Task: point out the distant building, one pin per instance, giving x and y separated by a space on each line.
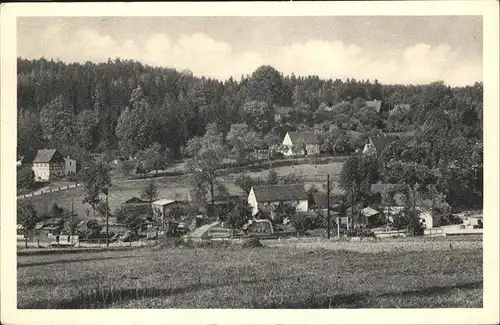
162 208
375 104
272 195
69 166
47 164
400 108
293 141
428 219
376 144
281 112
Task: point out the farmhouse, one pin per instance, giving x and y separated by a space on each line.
301 143
376 144
272 195
47 164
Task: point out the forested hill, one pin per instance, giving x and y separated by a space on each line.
121 107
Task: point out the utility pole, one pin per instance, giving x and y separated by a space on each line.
105 190
328 202
71 226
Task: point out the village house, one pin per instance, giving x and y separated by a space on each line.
375 104
47 164
162 208
376 144
272 195
301 144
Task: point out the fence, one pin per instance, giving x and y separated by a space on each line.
50 190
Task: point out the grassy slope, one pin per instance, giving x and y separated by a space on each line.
168 187
351 275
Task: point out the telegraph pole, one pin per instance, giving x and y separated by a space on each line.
105 190
71 226
328 202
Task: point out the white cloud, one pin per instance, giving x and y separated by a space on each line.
420 63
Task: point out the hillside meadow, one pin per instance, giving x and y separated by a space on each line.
413 273
172 186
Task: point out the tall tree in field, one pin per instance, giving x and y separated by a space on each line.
149 191
259 116
207 160
242 141
96 180
58 121
416 177
357 173
153 158
27 217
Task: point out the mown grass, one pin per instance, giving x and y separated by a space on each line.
330 276
169 187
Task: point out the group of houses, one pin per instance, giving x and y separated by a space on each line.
48 164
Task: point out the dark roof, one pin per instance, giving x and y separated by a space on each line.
306 137
135 200
319 200
376 104
273 193
383 141
41 156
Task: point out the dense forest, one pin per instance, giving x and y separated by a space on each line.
120 108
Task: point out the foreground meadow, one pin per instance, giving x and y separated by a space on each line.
391 274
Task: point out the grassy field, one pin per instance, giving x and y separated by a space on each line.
170 187
416 273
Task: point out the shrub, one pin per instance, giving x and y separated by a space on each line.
25 178
302 222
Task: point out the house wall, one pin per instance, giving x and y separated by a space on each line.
429 220
287 143
47 171
303 205
312 149
252 201
69 166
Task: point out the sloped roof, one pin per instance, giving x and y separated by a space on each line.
320 200
376 104
135 199
163 202
40 156
382 141
369 212
384 187
273 193
306 137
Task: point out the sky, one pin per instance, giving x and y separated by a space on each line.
392 49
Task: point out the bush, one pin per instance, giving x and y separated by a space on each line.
302 222
25 178
360 232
